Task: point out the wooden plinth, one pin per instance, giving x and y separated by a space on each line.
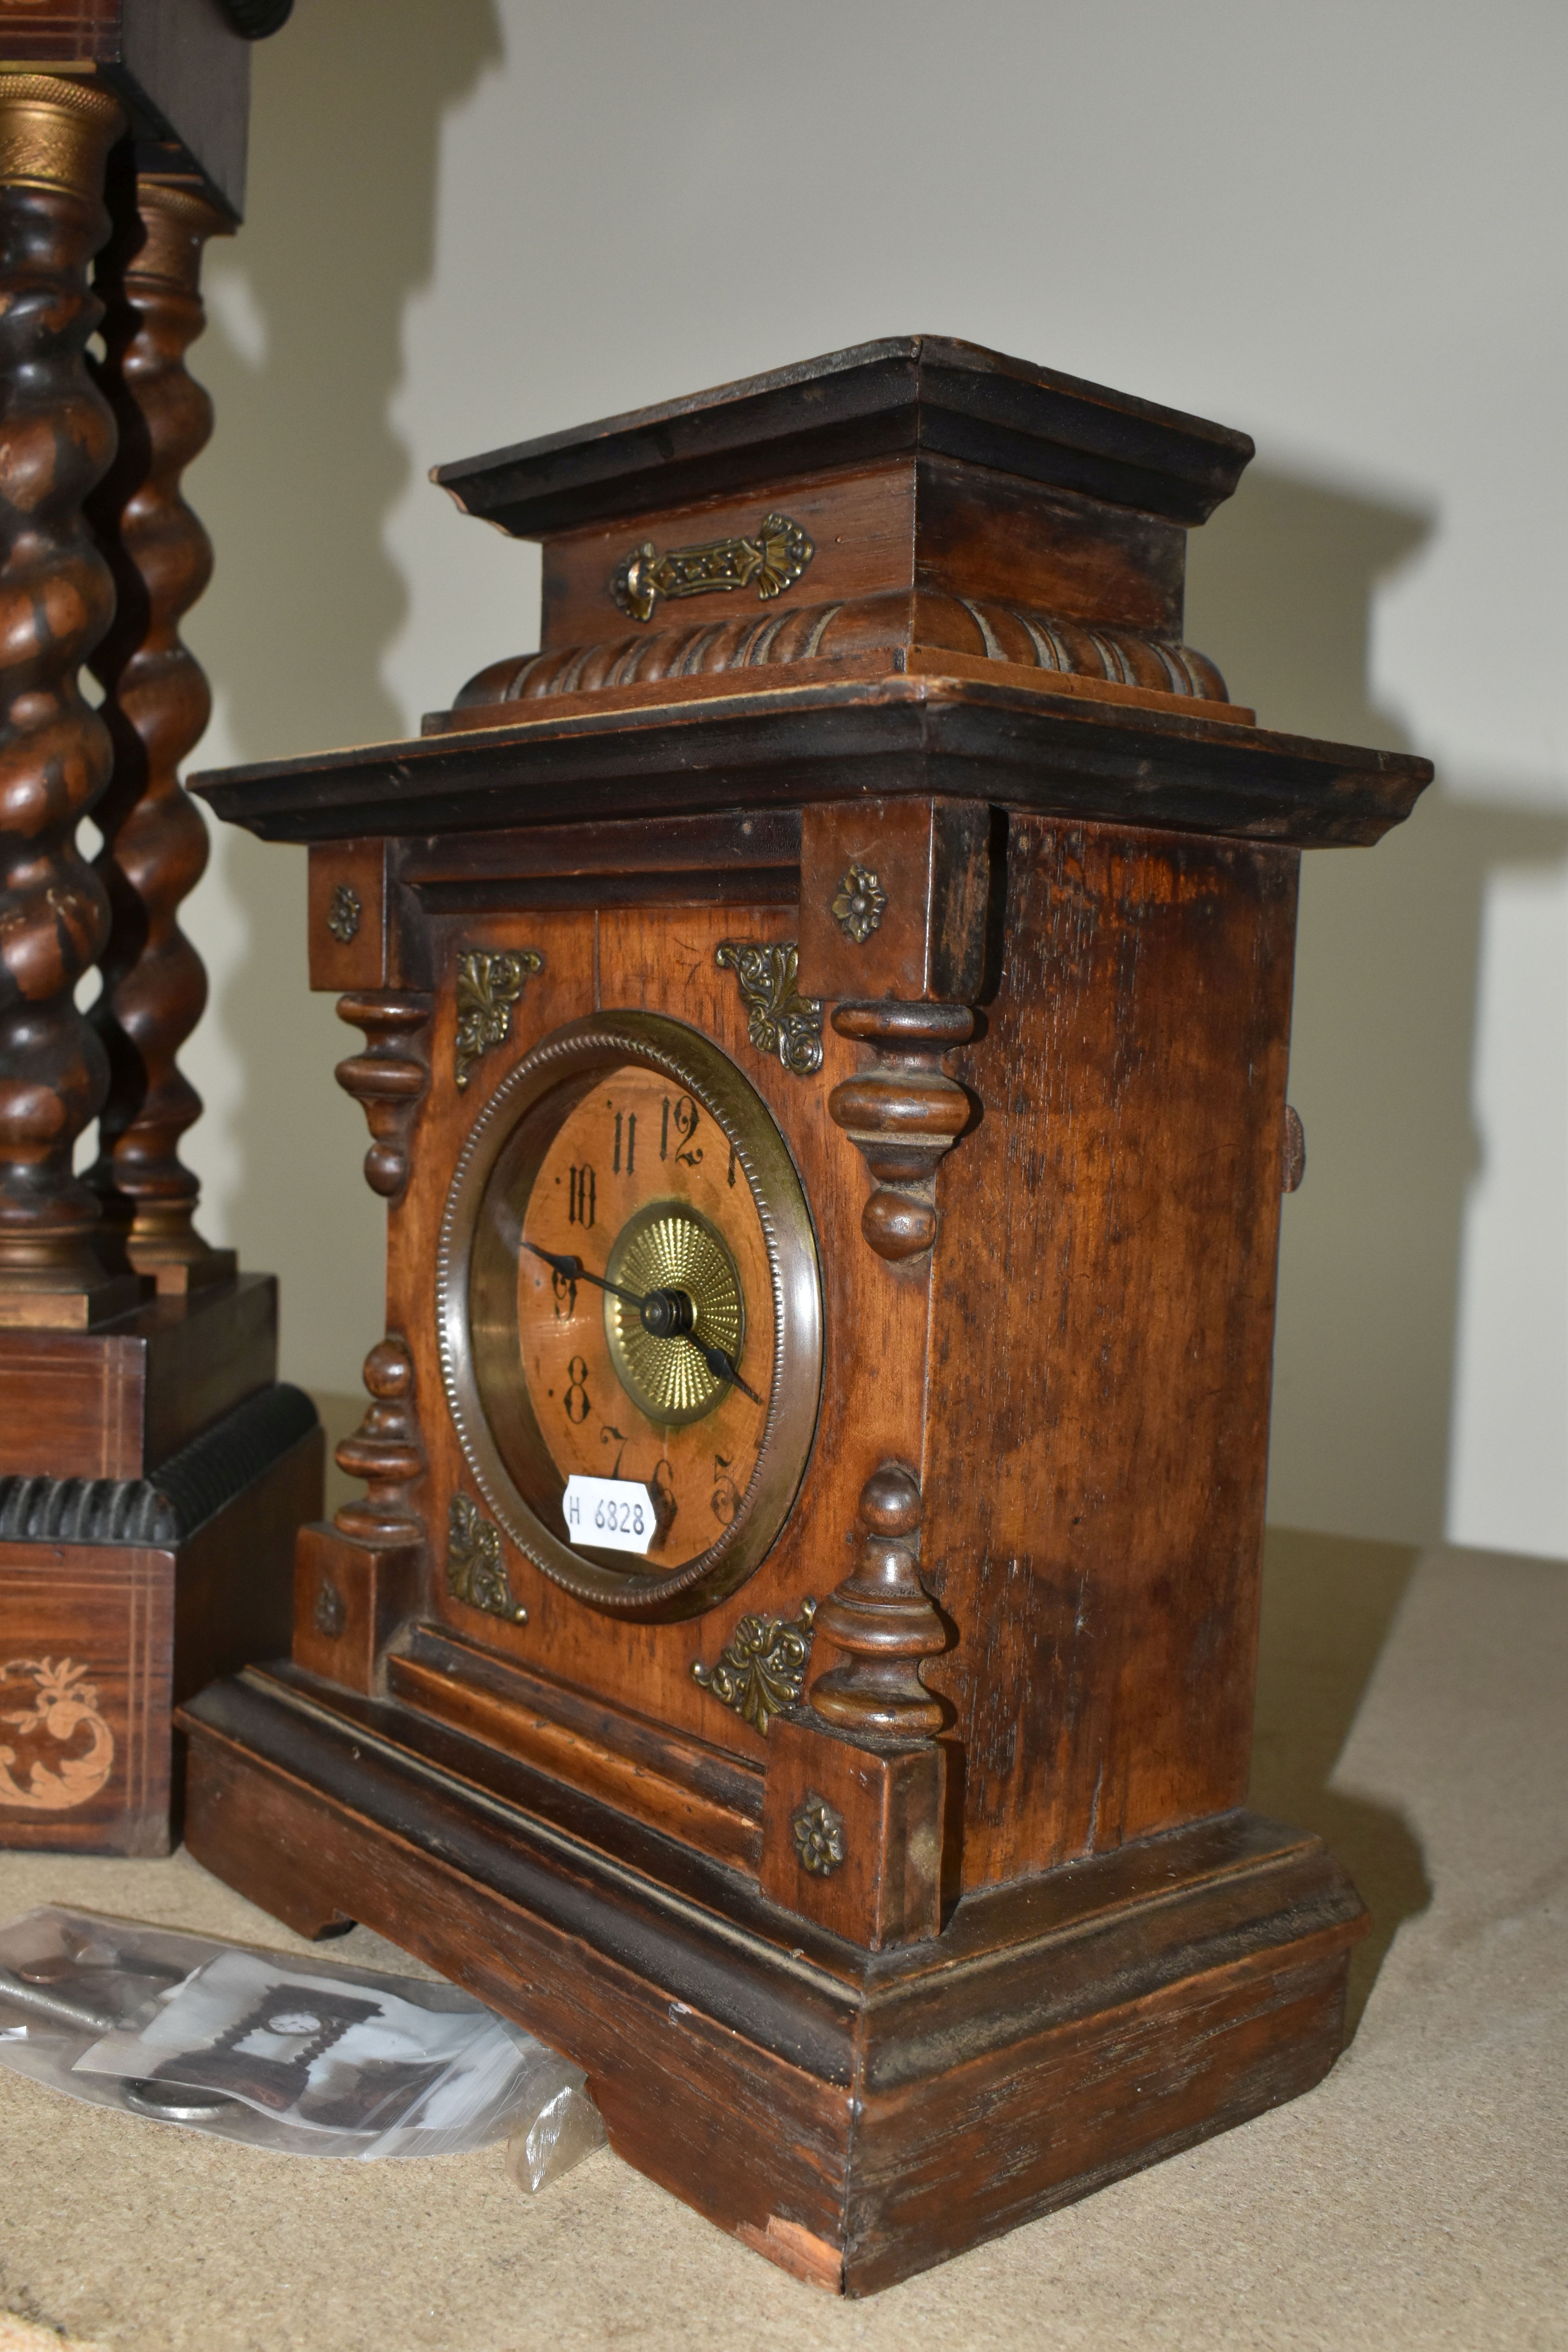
102 1637
116 1401
854 2116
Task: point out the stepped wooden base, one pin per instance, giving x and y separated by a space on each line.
854 2116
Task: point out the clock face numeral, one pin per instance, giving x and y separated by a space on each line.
610 1396
677 1126
725 1501
581 1196
631 1132
683 1121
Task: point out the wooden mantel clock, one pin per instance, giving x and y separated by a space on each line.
825 1024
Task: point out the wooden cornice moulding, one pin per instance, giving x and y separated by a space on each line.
917 632
909 393
1090 761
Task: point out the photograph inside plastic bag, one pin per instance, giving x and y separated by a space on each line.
308 2056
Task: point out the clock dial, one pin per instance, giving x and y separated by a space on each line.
639 1189
628 1290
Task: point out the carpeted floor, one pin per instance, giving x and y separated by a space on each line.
1412 1708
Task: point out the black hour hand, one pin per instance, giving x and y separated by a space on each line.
721 1366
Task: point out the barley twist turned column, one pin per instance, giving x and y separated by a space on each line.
156 706
56 599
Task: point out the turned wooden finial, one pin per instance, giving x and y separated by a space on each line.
385 1451
882 1622
390 1079
902 1115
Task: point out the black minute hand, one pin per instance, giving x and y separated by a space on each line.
719 1363
572 1269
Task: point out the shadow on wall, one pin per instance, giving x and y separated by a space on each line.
305 468
1281 585
1328 1603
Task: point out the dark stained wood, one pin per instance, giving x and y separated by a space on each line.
156 705
100 1641
101 1618
852 1833
967 738
900 1893
880 1622
923 394
903 1113
181 67
873 645
117 1401
861 524
854 2116
390 1079
346 915
679 1786
1107 1322
55 756
919 565
951 530
350 1596
931 863
989 535
153 1473
234 1595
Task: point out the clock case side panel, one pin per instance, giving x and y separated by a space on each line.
1103 1308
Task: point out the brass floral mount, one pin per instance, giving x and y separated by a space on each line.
474 1570
762 1667
861 904
818 1833
344 914
773 559
489 985
778 1018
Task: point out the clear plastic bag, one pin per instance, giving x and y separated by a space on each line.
308 2056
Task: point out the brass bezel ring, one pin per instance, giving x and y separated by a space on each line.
478 1351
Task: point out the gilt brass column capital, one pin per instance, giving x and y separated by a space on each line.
55 131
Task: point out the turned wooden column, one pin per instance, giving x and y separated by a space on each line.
156 705
57 597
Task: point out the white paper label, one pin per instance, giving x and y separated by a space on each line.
609 1513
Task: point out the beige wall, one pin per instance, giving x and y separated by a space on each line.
474 220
